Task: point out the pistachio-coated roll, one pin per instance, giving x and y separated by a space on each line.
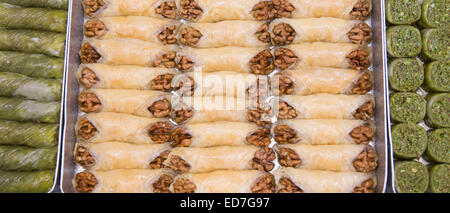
409 140
407 107
439 178
437 76
26 182
25 110
18 85
435 13
439 145
56 4
411 177
438 110
28 134
402 11
31 41
405 74
436 43
33 65
403 41
32 18
21 158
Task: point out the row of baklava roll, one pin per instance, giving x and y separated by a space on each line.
257 60
229 33
220 10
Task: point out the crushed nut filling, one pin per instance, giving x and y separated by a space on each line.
182 114
178 164
89 102
365 187
286 111
185 63
83 156
362 134
285 58
167 35
360 34
190 10
181 138
263 33
190 36
262 160
260 137
167 9
288 158
162 82
283 34
284 134
287 186
366 161
93 28
263 11
364 112
166 60
285 85
157 163
88 78
85 182
262 63
89 54
361 10
187 89
358 59
265 184
160 108
160 132
162 184
183 185
92 6
87 129
283 8
261 114
363 85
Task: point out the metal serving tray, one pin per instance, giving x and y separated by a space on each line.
56 179
75 37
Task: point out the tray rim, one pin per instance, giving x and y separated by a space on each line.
382 67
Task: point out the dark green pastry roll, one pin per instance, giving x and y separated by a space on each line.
438 110
437 76
17 85
28 134
22 158
32 18
409 140
405 74
403 41
439 178
33 65
403 11
436 43
411 177
33 41
407 107
439 145
26 182
56 4
25 110
435 13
